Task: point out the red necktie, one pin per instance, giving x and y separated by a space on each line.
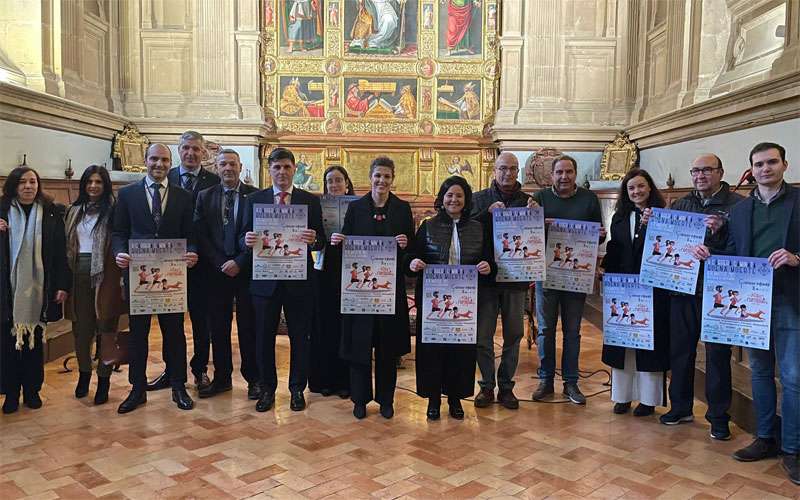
282 195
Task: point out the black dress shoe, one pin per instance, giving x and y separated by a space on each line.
298 401
32 400
82 388
201 381
759 449
643 410
434 411
254 391
791 464
622 408
182 398
387 411
214 388
265 401
134 399
326 392
456 410
343 393
101 394
160 382
360 411
11 404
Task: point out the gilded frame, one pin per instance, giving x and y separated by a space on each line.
619 156
130 147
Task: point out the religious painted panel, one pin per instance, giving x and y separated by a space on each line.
458 99
368 98
380 27
301 27
460 28
357 163
464 164
302 97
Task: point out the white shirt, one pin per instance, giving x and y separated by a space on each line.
276 191
85 227
454 258
148 181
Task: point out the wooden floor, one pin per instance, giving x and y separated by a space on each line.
223 448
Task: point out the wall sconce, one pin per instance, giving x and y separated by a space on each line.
68 172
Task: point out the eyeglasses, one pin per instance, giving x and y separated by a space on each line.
505 170
705 171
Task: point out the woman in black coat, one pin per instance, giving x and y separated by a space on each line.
447 368
33 244
378 213
637 374
329 373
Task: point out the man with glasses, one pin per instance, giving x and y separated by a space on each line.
506 298
712 196
564 200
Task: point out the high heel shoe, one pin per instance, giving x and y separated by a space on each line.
433 409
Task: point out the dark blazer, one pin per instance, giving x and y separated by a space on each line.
208 225
786 280
625 256
205 180
134 220
393 331
54 259
265 288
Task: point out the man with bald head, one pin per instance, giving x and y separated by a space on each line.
506 298
154 209
711 196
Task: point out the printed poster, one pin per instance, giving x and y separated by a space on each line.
334 209
667 261
157 274
449 306
571 255
737 301
519 244
369 267
279 253
627 312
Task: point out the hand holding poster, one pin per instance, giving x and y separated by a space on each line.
571 255
450 304
157 276
334 209
737 301
279 253
369 279
519 244
667 261
627 312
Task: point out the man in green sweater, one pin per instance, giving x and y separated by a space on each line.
565 200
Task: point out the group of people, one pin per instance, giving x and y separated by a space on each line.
78 259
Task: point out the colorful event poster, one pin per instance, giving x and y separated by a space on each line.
627 312
519 244
667 261
157 274
334 209
571 255
279 253
449 306
369 266
737 301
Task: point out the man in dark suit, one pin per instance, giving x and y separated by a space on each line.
218 218
293 296
192 177
154 209
767 225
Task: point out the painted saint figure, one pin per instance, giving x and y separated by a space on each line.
303 24
459 18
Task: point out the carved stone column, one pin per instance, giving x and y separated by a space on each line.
790 59
511 44
130 60
247 57
21 37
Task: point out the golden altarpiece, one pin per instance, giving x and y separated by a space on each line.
346 80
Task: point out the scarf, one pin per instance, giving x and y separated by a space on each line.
27 271
99 240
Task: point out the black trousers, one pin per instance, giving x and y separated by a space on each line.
385 377
22 369
226 290
685 324
445 369
174 348
299 314
198 293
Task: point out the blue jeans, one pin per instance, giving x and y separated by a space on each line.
785 348
547 307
